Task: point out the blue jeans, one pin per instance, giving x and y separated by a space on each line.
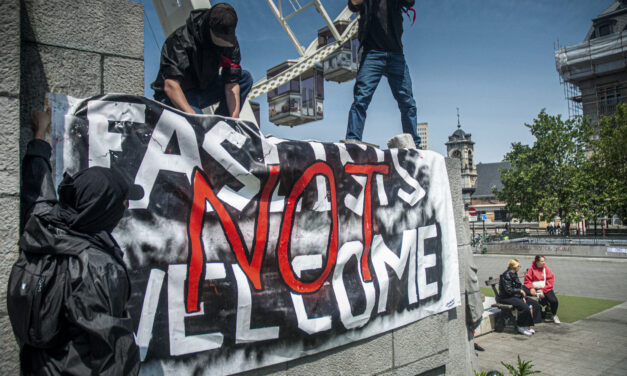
202 98
375 64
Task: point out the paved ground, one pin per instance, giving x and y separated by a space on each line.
575 276
593 346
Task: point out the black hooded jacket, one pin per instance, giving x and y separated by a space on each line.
69 288
191 58
381 24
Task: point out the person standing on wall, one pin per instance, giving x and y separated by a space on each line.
380 32
69 289
189 76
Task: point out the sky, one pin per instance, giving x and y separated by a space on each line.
492 59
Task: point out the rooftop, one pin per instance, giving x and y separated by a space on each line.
489 178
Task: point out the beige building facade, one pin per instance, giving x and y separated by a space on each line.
423 132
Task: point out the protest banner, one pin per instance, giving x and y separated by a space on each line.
246 251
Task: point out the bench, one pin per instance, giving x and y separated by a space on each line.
508 315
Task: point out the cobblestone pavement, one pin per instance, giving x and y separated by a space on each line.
576 276
593 346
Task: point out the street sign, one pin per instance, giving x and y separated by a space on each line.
472 218
484 217
472 212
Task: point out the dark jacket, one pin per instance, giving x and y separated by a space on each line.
68 290
381 24
190 57
509 285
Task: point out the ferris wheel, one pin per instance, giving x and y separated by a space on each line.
295 88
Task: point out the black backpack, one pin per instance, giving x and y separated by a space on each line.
35 299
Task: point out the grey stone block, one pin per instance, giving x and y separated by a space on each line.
123 76
10 46
106 26
9 234
453 169
9 145
420 339
59 70
460 346
430 363
10 179
9 353
366 357
9 216
55 70
9 222
403 140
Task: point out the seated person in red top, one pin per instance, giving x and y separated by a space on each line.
539 282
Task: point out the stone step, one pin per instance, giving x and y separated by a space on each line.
489 317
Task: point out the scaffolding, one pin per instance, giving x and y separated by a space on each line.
588 61
573 96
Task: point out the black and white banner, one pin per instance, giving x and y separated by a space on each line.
246 251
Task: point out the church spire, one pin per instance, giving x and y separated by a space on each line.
459 125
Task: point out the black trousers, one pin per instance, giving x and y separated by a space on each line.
549 299
525 317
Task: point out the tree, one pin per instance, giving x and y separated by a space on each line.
545 179
606 168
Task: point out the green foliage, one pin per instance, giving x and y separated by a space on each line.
547 178
606 169
489 373
523 369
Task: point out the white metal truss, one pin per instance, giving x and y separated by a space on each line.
313 54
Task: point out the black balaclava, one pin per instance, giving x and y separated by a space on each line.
93 200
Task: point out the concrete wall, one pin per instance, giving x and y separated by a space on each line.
556 249
81 48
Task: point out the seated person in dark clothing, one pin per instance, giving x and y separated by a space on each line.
511 292
539 282
189 77
69 288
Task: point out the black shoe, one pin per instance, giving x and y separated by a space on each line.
479 348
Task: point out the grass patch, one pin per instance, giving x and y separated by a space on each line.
573 308
487 291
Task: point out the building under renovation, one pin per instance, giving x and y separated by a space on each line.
594 73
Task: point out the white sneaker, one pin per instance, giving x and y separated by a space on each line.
532 331
524 331
556 320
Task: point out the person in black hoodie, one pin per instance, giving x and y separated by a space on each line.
511 292
69 288
191 57
380 32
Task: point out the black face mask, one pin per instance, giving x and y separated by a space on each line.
93 200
